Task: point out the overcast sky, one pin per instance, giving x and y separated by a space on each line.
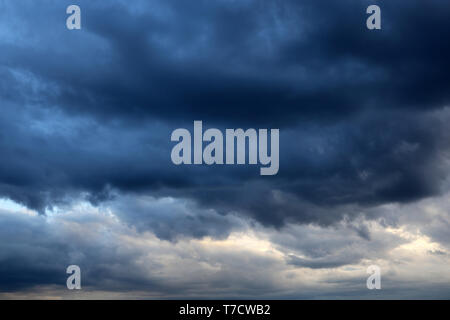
86 176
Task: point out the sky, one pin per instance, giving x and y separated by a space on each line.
86 176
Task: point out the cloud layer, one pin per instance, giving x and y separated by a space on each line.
86 118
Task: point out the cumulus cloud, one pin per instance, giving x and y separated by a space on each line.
123 260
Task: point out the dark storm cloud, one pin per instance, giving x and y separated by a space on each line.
118 262
324 263
90 111
171 219
37 252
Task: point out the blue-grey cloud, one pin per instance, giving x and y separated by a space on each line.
87 115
